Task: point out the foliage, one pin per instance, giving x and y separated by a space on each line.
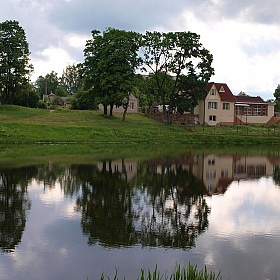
71 79
83 100
190 272
15 68
110 62
28 98
181 67
277 99
47 84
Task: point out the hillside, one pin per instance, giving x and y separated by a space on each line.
26 125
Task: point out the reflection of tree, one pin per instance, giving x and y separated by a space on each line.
13 205
106 206
158 208
276 174
62 174
178 211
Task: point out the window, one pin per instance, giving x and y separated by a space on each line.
225 106
212 118
257 110
211 161
213 92
224 173
212 105
211 174
131 105
248 111
222 89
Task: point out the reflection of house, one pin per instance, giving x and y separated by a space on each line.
133 105
220 106
128 170
217 172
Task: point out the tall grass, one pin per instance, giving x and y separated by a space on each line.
190 272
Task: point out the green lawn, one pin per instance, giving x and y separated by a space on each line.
25 125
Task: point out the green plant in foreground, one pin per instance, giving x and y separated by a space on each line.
190 272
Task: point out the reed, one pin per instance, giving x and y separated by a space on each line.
189 272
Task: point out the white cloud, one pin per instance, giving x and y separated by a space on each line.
52 58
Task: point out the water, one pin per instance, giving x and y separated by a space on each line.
76 221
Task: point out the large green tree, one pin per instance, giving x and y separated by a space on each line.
15 67
111 60
180 65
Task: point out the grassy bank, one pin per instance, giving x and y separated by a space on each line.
25 125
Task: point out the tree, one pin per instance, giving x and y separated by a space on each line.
71 78
242 93
277 99
15 68
110 63
181 67
47 84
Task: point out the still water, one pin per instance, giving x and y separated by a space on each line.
75 221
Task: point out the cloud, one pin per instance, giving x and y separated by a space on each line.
243 36
129 15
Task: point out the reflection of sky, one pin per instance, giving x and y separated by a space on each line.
243 237
242 240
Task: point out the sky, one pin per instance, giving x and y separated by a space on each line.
242 35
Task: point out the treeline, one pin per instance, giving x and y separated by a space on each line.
165 68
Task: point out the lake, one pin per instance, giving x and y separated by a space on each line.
77 220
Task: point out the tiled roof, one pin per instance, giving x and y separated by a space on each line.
249 99
223 90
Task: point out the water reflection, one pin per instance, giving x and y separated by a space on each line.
13 205
156 203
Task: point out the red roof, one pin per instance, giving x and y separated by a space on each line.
249 99
226 95
223 90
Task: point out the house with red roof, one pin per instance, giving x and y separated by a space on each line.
219 106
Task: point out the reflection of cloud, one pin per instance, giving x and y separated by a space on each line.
248 207
52 196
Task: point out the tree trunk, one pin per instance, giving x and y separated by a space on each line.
111 109
105 109
125 106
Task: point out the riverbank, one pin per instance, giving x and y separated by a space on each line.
26 125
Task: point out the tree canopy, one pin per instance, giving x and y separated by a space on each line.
180 67
110 63
15 68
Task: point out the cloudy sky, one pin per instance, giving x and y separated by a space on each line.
243 36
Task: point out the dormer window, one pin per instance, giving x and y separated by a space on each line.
213 92
222 89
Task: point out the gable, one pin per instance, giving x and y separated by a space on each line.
223 90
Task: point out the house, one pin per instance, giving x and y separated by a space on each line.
57 100
220 106
133 105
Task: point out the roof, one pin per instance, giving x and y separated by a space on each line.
226 95
223 90
249 99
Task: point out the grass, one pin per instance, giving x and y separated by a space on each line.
191 272
26 125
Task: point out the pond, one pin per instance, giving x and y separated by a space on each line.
73 220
